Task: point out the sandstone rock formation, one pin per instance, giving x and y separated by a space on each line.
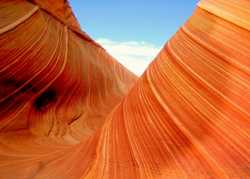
69 110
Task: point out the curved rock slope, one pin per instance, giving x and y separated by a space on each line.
68 110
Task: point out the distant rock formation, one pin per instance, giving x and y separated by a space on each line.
69 110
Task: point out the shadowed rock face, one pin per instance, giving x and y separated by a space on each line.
69 110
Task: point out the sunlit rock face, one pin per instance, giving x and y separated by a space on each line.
69 110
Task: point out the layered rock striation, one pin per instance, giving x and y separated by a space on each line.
70 110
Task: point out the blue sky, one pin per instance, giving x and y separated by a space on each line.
133 31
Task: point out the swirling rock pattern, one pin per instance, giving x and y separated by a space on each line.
69 110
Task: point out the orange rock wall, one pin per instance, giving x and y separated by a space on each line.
69 110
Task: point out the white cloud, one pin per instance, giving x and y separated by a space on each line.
134 55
